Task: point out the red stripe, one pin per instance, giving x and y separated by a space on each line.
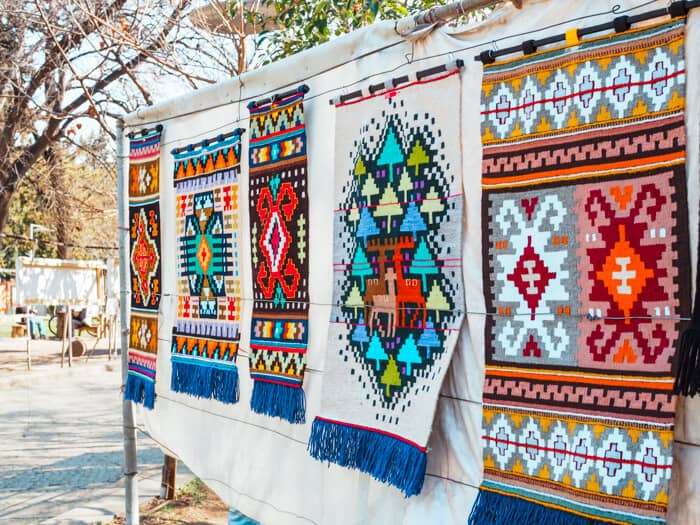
276 133
398 88
586 92
278 349
576 454
374 430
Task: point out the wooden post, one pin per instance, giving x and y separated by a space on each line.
131 496
63 341
69 325
29 336
167 483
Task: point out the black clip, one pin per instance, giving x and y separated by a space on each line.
622 24
486 57
677 9
529 47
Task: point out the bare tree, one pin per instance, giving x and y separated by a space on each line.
62 61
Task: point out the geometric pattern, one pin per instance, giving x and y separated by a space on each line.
584 208
397 305
144 263
207 327
279 221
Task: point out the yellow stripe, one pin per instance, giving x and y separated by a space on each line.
576 129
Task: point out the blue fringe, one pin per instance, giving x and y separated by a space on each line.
205 380
140 390
273 399
384 458
492 508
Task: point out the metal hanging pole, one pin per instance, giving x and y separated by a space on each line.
443 14
131 499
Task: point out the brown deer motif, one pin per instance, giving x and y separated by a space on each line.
384 304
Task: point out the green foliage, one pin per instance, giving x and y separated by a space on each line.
306 23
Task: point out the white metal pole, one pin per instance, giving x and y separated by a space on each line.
131 500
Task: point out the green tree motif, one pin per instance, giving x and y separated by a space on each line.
391 376
388 206
432 204
354 299
417 158
437 301
405 183
423 263
391 152
369 190
408 354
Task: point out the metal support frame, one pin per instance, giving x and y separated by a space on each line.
131 499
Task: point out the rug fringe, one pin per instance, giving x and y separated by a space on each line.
492 508
688 361
140 390
205 380
273 399
385 458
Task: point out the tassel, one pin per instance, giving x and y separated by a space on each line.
385 458
688 361
208 380
140 390
492 508
276 400
688 352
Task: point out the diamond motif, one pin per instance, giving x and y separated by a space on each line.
204 254
275 242
624 273
144 257
531 276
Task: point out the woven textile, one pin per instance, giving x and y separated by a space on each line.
144 263
279 220
586 272
207 327
397 279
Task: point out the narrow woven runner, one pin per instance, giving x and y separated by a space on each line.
586 272
144 263
279 226
207 326
397 278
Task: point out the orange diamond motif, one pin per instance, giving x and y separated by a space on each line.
624 273
204 254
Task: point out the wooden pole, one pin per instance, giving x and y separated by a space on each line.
442 14
131 497
167 483
29 336
69 321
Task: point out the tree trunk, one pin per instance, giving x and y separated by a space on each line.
64 216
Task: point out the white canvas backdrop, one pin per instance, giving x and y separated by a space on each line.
259 464
59 281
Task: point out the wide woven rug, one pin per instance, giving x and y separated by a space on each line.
585 276
279 236
207 325
397 298
144 264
